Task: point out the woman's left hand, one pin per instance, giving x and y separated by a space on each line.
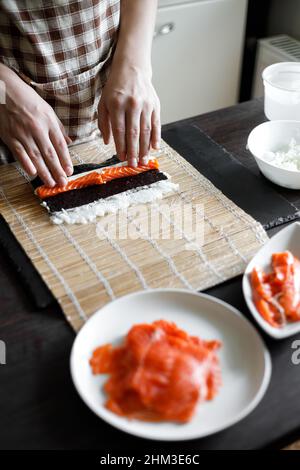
129 109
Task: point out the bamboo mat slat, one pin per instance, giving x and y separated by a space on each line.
85 267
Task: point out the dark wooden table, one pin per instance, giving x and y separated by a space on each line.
40 409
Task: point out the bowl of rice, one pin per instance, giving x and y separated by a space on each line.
275 146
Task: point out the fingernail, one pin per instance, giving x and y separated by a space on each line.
107 140
144 160
69 170
157 145
133 162
50 183
62 181
32 171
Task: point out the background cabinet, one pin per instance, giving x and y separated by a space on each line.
197 52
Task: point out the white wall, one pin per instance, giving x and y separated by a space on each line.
285 18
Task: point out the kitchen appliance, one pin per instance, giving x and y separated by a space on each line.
197 53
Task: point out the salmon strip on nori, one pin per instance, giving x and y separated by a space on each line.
96 178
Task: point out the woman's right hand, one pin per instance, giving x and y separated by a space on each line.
32 131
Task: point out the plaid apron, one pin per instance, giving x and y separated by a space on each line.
63 49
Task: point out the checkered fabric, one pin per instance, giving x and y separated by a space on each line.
63 49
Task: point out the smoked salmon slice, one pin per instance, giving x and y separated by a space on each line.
93 178
159 373
276 295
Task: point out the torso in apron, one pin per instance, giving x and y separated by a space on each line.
63 50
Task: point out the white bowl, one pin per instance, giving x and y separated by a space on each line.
245 361
282 91
273 136
287 239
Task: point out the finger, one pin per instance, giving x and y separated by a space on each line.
104 123
132 136
145 135
19 152
64 133
62 150
50 157
35 156
117 119
155 129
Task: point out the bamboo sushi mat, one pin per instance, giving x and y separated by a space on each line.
85 271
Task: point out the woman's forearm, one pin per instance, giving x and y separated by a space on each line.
137 20
9 78
129 107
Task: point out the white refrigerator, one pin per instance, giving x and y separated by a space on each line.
197 55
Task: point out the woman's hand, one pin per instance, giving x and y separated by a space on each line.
130 110
33 133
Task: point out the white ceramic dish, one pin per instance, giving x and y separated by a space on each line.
272 136
245 362
286 239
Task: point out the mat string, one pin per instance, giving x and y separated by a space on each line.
167 257
242 216
216 228
88 261
190 241
78 248
55 271
127 260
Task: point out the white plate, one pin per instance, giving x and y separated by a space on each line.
287 239
245 362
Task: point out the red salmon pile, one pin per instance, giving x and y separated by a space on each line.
159 373
277 294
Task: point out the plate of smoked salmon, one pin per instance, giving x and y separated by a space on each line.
271 284
170 364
